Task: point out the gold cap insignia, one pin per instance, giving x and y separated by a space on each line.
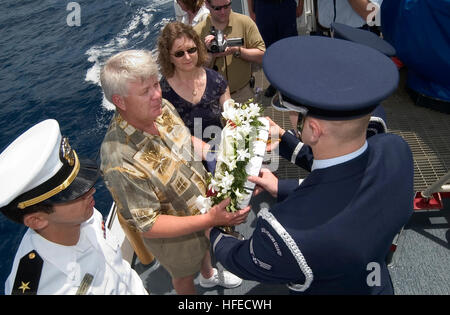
67 152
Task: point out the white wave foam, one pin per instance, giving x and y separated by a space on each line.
126 39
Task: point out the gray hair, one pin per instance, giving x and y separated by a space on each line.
125 67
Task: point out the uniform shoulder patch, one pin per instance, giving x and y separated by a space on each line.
28 274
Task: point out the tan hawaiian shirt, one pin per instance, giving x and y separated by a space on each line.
150 175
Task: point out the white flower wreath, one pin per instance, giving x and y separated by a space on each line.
241 154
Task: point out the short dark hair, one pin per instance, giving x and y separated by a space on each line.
169 34
15 214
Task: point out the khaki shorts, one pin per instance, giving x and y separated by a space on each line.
180 256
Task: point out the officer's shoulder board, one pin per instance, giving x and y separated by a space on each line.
28 274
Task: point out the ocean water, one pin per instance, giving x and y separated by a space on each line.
49 69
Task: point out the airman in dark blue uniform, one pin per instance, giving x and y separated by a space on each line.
331 233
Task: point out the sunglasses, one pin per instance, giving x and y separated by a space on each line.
190 51
220 7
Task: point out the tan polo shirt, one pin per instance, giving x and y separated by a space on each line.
236 70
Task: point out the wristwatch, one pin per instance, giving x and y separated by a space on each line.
237 54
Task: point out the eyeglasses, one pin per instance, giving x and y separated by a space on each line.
190 51
300 122
302 111
220 7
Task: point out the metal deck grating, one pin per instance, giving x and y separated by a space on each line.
426 131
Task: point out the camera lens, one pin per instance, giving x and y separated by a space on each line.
214 48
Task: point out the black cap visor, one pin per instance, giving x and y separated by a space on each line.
85 180
69 183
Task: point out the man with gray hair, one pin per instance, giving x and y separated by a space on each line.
151 166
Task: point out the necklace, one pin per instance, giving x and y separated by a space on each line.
194 90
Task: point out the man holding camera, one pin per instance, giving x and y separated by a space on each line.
232 60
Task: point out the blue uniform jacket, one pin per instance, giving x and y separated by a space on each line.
331 233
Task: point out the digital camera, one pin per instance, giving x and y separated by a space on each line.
220 43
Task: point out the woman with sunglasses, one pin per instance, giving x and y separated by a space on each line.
198 93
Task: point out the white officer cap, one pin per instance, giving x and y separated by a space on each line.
40 165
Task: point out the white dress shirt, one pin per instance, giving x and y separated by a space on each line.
183 17
97 253
318 164
344 13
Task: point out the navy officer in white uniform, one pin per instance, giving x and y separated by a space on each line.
66 250
331 233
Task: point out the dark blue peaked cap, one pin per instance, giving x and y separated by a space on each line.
333 79
363 37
